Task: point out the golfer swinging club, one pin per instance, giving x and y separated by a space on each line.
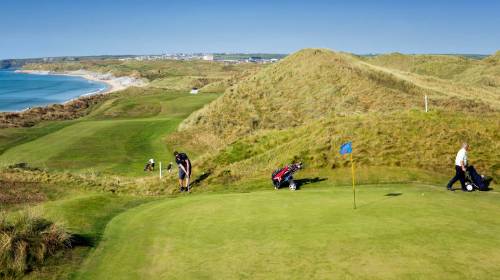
184 164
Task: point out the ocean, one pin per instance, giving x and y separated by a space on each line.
19 91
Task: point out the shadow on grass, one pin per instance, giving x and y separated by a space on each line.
307 181
394 194
83 240
387 196
200 178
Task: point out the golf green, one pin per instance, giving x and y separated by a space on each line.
398 231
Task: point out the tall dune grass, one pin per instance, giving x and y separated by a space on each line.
26 241
313 84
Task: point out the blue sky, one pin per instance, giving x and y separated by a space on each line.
59 28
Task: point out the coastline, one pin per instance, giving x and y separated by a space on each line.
112 83
70 109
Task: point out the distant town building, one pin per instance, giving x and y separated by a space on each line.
225 58
209 57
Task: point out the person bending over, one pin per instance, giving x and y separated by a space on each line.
460 168
150 165
184 164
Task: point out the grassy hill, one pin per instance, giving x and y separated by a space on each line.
314 84
308 85
304 107
485 72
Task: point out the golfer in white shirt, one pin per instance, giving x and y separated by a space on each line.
460 167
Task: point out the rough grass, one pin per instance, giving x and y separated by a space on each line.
26 186
442 66
448 94
397 232
26 241
56 112
184 83
306 106
409 140
313 84
485 72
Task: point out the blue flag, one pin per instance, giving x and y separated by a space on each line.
346 148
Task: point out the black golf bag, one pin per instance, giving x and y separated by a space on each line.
475 180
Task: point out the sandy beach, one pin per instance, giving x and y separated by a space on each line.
113 83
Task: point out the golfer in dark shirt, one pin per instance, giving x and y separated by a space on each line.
184 164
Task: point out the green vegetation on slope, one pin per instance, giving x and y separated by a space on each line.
23 186
304 107
442 66
485 72
310 85
11 137
409 140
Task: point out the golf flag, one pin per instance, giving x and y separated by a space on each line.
346 148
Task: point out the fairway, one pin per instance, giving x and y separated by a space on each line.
398 231
118 137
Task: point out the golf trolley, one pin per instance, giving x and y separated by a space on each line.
284 176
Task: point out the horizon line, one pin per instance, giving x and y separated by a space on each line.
275 53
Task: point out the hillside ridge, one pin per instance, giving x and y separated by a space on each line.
313 84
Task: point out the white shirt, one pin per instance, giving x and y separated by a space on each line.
461 156
151 161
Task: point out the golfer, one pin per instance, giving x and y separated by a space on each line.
184 164
150 165
460 167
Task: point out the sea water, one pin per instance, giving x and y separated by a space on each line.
19 91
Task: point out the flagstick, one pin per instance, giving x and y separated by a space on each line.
353 188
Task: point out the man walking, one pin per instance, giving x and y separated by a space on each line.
184 164
460 167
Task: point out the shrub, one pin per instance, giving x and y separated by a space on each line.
26 241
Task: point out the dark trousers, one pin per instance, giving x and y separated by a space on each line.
459 176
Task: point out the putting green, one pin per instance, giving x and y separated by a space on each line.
397 232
